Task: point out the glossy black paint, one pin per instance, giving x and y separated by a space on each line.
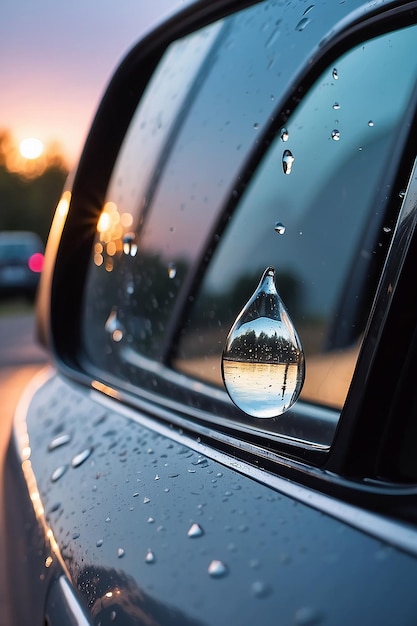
146 479
141 490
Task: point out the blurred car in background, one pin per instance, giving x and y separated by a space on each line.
200 452
21 262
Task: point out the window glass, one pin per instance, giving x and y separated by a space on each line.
180 248
313 222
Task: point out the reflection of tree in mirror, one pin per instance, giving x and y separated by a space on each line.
263 348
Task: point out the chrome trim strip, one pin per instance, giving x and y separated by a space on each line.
72 603
396 533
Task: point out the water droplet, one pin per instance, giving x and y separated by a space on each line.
307 616
335 75
195 531
256 125
107 520
48 561
151 520
81 457
146 500
172 270
217 569
130 247
308 9
336 106
260 589
386 229
120 553
60 471
150 557
302 24
279 228
113 616
287 161
370 123
284 134
76 535
263 361
99 543
114 327
335 135
402 194
59 441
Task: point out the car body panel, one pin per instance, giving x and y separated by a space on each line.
139 490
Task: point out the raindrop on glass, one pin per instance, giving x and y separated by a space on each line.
217 569
287 161
335 135
370 123
279 228
402 194
172 270
335 75
336 106
99 543
113 616
114 327
120 553
386 229
146 500
308 9
130 247
256 125
150 557
81 457
195 531
263 361
284 134
59 441
60 471
302 24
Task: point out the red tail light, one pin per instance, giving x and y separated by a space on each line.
35 262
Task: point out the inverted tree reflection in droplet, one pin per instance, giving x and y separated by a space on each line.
263 361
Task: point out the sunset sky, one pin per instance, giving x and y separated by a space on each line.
56 59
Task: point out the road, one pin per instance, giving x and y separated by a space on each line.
20 359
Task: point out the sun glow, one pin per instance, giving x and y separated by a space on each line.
31 148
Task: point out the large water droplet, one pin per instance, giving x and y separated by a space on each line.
195 531
336 106
81 457
335 75
284 134
279 228
263 361
287 161
114 327
217 569
370 123
130 247
335 135
120 553
58 441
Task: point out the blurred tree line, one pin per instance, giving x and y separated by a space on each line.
28 198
